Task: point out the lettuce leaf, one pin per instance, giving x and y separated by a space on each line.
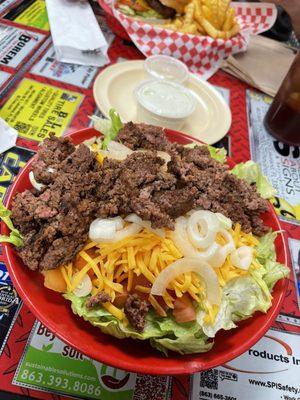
132 13
223 319
218 154
109 128
245 295
185 344
251 172
165 333
266 256
14 237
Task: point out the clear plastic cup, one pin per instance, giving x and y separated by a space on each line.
165 67
164 103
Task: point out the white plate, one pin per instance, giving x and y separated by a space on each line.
114 88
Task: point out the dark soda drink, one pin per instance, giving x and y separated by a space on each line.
283 117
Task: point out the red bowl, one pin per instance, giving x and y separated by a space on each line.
113 23
55 312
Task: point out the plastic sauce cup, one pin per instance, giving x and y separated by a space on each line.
164 103
165 67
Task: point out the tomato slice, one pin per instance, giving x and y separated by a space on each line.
120 299
184 310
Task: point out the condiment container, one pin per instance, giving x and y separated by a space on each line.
165 67
164 103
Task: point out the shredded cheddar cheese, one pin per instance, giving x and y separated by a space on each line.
115 267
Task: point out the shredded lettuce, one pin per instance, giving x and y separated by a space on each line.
251 172
14 237
108 127
133 13
266 255
218 154
165 333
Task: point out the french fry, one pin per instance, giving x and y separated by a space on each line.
233 31
229 21
223 6
188 18
213 5
200 28
209 28
191 29
206 11
214 18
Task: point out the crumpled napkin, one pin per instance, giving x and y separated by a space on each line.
8 136
77 37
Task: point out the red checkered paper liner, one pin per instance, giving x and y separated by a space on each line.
202 54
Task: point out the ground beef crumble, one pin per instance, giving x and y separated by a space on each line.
97 299
136 310
55 221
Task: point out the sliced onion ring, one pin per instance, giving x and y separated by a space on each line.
103 229
202 228
179 267
145 224
220 256
242 257
181 240
84 288
38 186
117 151
129 230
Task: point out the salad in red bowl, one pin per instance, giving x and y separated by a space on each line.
147 239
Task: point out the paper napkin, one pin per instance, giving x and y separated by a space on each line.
76 34
8 136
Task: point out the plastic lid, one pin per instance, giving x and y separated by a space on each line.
166 98
165 67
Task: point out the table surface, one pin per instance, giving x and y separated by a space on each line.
32 67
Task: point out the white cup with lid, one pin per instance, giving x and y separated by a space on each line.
166 67
164 103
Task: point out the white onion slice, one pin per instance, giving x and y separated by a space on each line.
166 157
90 142
220 256
225 222
242 257
130 230
117 151
103 229
84 288
183 265
38 186
202 228
180 238
230 246
145 224
182 242
119 222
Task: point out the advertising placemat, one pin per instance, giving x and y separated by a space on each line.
49 364
35 110
30 13
279 162
270 370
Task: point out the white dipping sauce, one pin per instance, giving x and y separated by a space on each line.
166 99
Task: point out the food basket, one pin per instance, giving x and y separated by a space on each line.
202 54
